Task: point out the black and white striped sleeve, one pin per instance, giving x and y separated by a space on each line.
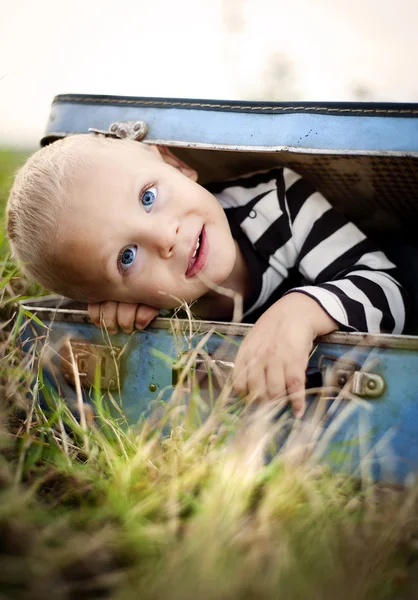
347 274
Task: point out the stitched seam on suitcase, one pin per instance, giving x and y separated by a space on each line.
242 107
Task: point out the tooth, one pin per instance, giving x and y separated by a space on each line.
197 247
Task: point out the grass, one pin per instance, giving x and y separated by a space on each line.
113 512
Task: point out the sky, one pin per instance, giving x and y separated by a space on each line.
312 50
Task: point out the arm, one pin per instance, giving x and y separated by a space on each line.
350 285
352 279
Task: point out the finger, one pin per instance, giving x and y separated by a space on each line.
295 385
144 315
275 381
239 375
94 312
240 383
257 383
108 316
126 316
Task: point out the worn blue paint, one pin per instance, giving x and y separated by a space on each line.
381 434
372 438
339 126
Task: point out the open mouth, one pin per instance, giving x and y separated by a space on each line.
197 259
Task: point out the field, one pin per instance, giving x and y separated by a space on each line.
181 512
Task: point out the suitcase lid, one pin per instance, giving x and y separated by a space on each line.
328 126
361 156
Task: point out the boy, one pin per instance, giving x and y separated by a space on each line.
126 227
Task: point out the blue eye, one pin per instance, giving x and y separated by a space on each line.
148 198
127 257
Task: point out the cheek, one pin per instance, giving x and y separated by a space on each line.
156 284
224 244
214 212
224 258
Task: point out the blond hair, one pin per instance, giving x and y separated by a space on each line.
36 204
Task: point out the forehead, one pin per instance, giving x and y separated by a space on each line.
123 156
108 171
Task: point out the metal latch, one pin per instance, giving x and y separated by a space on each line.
131 130
343 373
90 359
367 385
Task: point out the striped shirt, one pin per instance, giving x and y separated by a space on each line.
293 240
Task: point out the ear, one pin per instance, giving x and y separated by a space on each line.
172 160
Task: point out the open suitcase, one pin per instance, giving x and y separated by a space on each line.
364 159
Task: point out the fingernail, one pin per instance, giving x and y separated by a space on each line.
299 412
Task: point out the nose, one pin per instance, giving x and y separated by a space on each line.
163 237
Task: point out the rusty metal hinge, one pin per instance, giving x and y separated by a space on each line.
131 130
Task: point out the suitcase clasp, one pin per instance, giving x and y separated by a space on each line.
367 385
201 367
91 361
343 373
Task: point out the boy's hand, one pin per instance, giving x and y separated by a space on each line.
121 314
272 360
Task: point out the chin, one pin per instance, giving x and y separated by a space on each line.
222 273
170 302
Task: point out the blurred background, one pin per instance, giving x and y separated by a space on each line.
312 50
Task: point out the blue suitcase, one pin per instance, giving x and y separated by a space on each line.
363 158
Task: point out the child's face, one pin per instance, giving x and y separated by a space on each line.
133 225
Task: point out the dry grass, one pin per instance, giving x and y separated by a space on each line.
182 508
